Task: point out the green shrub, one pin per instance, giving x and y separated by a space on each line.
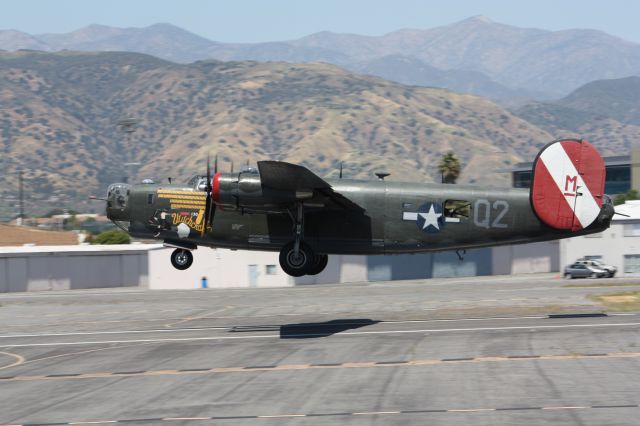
113 236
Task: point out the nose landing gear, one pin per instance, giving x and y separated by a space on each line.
181 259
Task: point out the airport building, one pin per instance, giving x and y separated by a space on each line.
618 246
621 174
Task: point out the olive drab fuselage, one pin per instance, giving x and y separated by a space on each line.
394 218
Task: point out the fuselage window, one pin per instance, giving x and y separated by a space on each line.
459 209
149 198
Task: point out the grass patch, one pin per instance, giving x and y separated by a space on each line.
606 284
627 301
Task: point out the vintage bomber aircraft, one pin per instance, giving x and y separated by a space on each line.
287 208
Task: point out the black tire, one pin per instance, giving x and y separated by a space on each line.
181 259
296 266
568 276
320 262
593 275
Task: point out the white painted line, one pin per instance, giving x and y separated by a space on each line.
409 216
342 334
166 330
91 333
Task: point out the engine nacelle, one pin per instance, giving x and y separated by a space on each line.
244 190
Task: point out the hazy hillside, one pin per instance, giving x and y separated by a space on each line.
552 62
498 59
606 112
60 111
412 71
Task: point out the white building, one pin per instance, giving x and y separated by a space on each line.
618 246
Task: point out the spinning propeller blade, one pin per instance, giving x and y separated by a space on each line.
209 208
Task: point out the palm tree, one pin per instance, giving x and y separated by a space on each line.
449 167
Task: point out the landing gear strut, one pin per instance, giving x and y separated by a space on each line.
297 258
181 259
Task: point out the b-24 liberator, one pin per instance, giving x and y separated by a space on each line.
287 208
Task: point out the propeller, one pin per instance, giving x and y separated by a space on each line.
209 207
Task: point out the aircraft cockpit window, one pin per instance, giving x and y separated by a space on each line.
459 209
193 180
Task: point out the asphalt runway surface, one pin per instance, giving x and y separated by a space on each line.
477 351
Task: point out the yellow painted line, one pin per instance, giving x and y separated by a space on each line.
185 199
180 197
19 360
290 367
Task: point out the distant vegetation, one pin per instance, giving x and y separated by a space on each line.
631 194
449 167
113 236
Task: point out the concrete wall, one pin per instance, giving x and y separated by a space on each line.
60 268
526 258
57 268
227 268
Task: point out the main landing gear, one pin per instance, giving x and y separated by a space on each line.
181 259
297 258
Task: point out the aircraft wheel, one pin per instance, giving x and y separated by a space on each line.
299 265
181 259
320 262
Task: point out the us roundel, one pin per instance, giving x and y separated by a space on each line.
568 184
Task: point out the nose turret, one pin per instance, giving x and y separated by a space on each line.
118 201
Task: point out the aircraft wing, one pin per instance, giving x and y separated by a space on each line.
287 177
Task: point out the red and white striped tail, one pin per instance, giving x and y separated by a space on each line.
568 184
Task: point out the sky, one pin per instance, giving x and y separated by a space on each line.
271 20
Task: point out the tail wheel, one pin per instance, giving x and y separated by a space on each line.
296 264
320 262
181 259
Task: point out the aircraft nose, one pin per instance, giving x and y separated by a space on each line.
118 201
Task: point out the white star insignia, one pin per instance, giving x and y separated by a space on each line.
430 218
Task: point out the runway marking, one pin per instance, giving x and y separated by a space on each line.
229 327
19 360
341 334
292 367
453 411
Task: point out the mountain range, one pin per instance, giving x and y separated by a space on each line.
60 113
475 55
605 111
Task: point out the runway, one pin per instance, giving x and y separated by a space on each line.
481 351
